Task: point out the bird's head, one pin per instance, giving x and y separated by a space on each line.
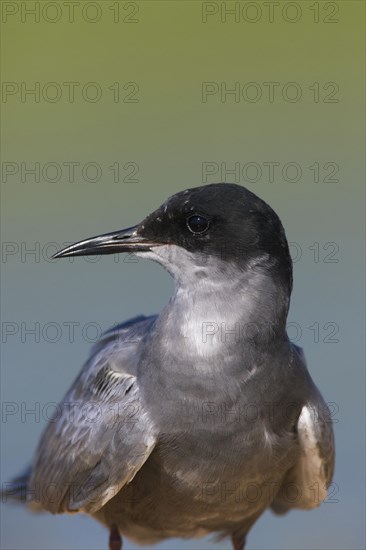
211 230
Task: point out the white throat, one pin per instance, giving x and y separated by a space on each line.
216 305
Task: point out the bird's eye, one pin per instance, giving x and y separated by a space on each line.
197 224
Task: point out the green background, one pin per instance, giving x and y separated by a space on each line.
169 132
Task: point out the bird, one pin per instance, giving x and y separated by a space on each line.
194 421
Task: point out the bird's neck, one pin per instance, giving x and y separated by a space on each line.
220 312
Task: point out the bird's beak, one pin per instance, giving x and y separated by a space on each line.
125 240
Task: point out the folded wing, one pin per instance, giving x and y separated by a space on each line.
306 483
101 435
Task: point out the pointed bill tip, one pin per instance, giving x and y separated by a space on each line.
126 240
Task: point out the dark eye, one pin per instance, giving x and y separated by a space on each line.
197 224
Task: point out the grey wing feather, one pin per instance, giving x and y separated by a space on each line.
130 331
101 435
305 484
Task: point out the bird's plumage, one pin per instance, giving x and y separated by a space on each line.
196 420
100 435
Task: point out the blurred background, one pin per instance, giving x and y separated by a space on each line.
109 107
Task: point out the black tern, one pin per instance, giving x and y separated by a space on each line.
195 421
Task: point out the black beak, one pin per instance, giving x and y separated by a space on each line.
126 240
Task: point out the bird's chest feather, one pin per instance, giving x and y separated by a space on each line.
207 324
213 439
215 474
